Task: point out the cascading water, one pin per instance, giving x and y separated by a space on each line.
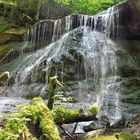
110 82
74 49
100 62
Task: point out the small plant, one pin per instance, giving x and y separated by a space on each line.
124 120
4 26
93 110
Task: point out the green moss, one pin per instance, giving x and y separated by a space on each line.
58 114
119 136
4 26
104 138
62 115
71 114
93 110
127 136
15 126
53 82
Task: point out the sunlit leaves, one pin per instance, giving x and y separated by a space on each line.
87 6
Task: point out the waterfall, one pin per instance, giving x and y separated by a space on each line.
110 82
79 50
48 31
101 63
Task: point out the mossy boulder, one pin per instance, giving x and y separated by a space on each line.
16 124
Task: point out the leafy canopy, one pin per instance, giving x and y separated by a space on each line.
88 6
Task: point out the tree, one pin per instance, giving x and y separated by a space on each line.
87 6
20 10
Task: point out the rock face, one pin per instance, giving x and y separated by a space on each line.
130 20
123 22
6 37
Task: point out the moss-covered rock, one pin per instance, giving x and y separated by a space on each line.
127 136
103 138
47 125
119 136
16 124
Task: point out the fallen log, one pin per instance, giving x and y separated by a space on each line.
81 118
62 116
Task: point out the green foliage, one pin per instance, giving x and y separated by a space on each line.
26 13
124 120
58 96
21 11
62 99
90 7
93 110
4 26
